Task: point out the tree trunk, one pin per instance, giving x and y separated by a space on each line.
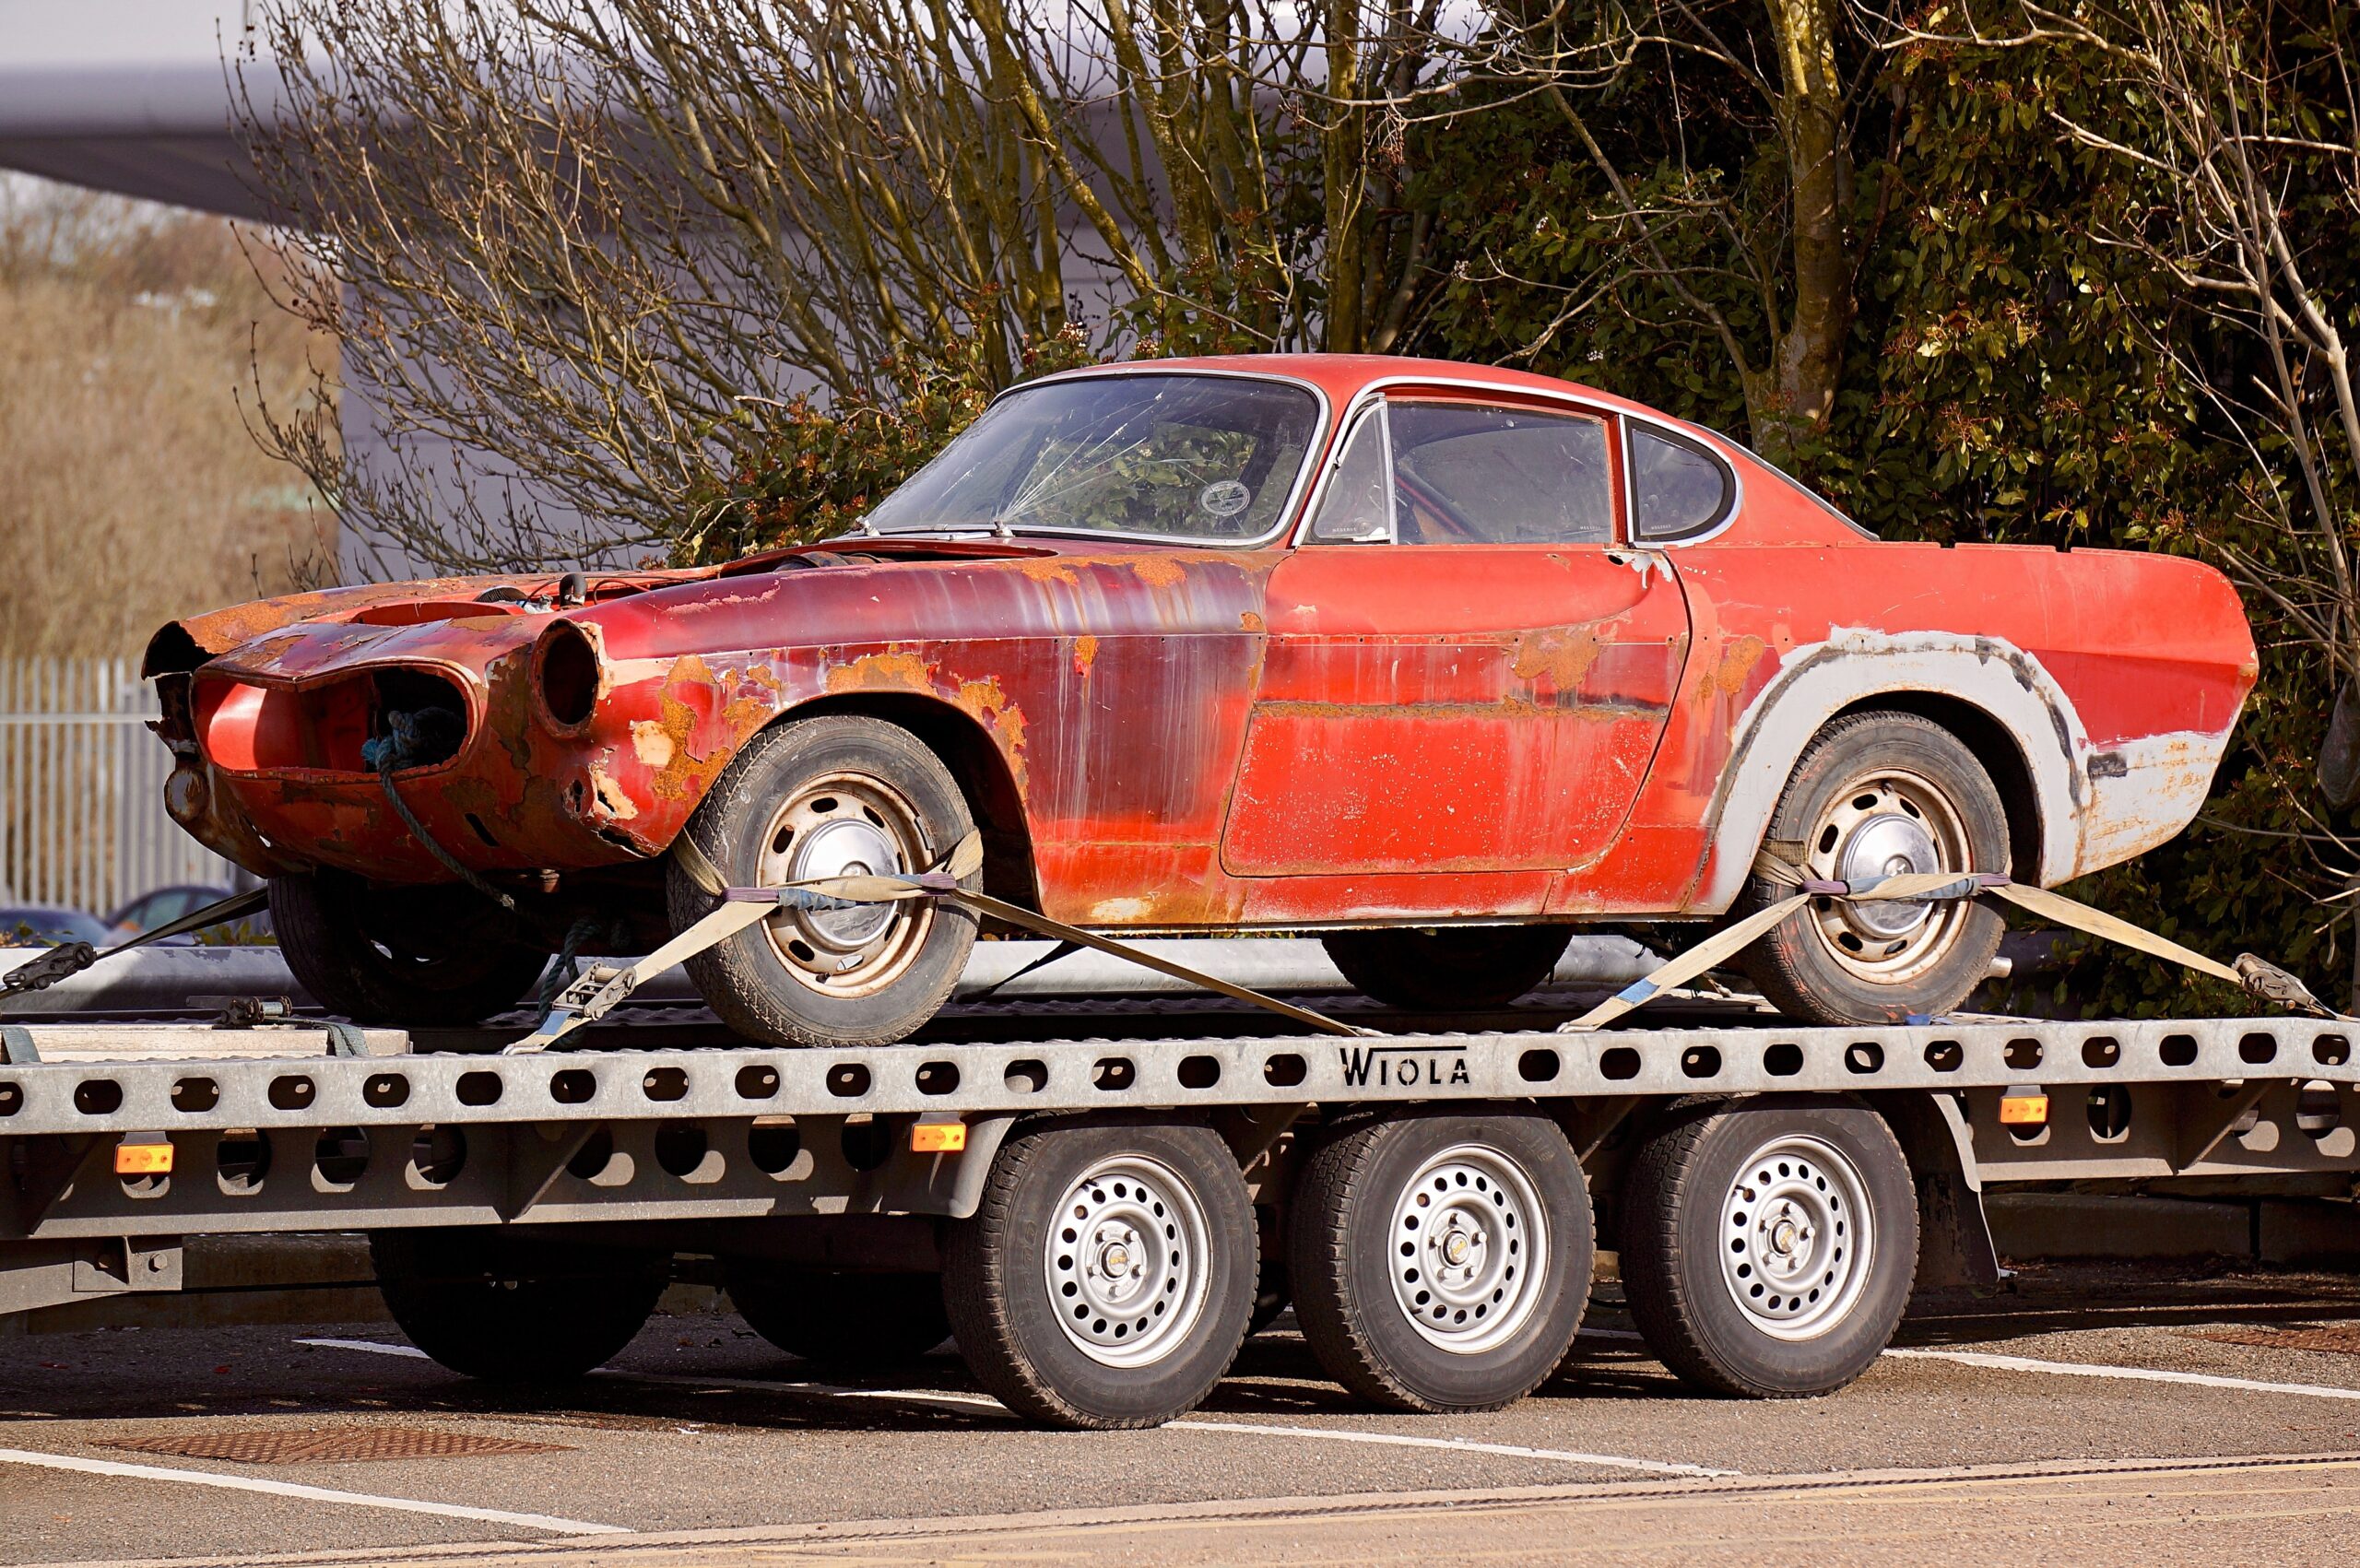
1791 400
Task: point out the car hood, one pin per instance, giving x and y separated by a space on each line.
294 634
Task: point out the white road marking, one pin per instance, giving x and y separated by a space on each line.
307 1493
2132 1373
1461 1445
1329 1434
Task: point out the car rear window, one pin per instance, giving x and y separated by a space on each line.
1677 487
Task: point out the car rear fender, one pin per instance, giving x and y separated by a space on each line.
1853 668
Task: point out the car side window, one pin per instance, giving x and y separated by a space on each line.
1469 473
1355 509
1677 487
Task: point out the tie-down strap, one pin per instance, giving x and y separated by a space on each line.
2256 976
600 991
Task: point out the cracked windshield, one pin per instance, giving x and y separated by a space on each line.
1209 458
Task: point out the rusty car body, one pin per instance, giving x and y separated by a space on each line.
1372 713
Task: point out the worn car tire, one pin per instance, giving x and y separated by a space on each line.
1506 1175
490 1304
1010 1320
1909 780
853 1321
1447 969
339 938
1690 1212
753 826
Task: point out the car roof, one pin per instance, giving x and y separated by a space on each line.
1344 376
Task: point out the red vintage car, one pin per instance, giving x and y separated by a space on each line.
1436 660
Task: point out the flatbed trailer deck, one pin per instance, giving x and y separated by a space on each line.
851 1195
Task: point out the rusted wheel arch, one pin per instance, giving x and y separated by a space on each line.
976 764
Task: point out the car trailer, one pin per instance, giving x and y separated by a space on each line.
1101 1221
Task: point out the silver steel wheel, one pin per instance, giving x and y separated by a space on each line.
1469 1248
1128 1263
845 824
1797 1237
1888 822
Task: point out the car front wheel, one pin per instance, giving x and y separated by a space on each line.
837 795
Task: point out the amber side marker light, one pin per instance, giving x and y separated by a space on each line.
2024 1108
143 1158
939 1137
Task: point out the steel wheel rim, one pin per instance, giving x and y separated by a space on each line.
1883 822
845 823
1128 1259
1467 1249
1797 1237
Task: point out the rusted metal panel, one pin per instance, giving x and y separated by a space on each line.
1195 738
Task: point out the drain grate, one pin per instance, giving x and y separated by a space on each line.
303 1446
2341 1338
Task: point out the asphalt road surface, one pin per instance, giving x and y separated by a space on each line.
2096 1416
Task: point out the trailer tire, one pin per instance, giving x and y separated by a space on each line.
1768 1249
1449 969
838 1319
1443 1262
1138 1307
502 1308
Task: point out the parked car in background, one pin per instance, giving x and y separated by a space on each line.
51 925
1436 660
158 905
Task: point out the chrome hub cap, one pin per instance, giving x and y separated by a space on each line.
1797 1238
1125 1261
1888 823
846 824
1470 1249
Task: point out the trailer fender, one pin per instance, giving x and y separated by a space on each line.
1954 1238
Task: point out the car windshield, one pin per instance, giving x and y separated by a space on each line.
1176 456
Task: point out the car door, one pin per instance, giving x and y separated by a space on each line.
1466 671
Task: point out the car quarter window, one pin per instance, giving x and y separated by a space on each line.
1677 487
1472 473
1354 509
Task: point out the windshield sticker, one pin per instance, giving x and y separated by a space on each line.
1224 498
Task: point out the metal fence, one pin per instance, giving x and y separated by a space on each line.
82 819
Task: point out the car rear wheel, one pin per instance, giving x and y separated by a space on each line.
425 957
1447 969
840 795
1880 794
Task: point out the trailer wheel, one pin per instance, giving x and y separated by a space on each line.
1450 968
509 1309
1767 1250
1105 1279
1443 1262
855 1321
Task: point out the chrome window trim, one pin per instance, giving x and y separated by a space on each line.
1375 392
1347 431
1678 432
1289 514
